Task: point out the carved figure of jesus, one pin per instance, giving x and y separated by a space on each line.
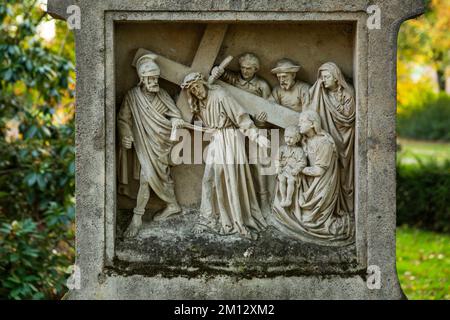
228 195
247 79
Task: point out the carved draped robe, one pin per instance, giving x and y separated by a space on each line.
148 119
313 215
228 193
337 112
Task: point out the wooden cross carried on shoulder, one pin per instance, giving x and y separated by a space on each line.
203 62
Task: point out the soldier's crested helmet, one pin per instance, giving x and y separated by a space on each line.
146 66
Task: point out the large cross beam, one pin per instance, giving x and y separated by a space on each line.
278 115
203 62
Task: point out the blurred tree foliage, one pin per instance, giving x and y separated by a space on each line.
426 40
36 154
427 118
423 67
423 195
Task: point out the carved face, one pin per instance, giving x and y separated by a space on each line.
198 89
248 70
305 125
328 80
291 138
150 83
286 79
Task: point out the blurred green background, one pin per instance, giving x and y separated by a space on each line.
37 82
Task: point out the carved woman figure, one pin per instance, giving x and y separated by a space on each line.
314 216
334 99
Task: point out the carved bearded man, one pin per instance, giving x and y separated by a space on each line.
290 92
145 120
229 204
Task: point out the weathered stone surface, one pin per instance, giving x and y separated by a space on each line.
169 247
102 256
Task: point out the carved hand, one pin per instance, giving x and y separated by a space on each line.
217 72
307 171
313 171
127 142
320 82
263 141
277 166
177 123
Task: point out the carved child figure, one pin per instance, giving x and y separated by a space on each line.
291 162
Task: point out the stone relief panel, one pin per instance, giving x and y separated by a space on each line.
277 166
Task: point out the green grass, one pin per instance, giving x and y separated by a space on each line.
423 257
412 151
423 263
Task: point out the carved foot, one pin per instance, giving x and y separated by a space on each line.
169 211
247 234
206 225
133 228
200 228
254 236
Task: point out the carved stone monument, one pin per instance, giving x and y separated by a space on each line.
235 149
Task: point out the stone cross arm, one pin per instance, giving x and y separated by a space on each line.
203 62
278 115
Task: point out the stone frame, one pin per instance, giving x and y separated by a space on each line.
375 147
183 17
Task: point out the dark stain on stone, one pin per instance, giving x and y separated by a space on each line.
171 249
372 143
99 137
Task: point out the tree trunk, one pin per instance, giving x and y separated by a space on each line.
441 78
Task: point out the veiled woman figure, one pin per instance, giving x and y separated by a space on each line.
314 215
334 100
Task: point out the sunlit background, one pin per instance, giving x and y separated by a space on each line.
37 83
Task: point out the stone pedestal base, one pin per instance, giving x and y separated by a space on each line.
226 287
